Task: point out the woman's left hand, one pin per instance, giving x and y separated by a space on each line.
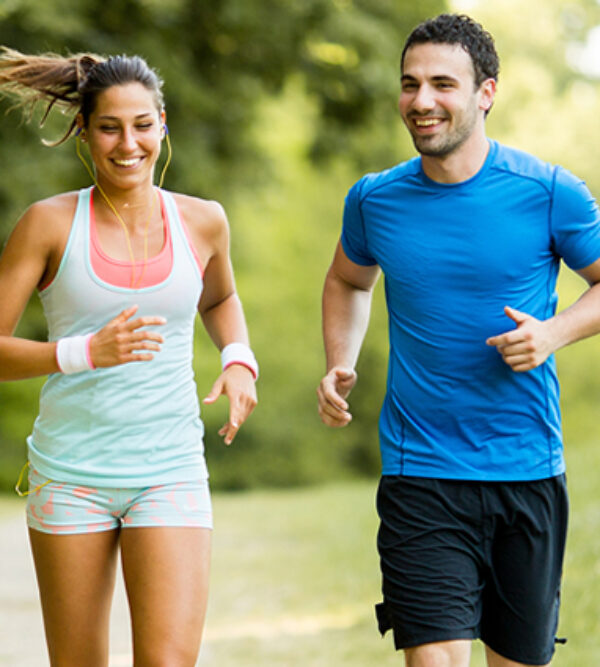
237 383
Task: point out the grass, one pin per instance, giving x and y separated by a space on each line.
295 577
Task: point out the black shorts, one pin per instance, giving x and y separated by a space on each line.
468 560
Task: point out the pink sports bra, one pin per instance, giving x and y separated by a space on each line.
118 272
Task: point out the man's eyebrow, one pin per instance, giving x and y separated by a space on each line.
437 77
444 77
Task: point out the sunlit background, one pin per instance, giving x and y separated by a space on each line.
275 107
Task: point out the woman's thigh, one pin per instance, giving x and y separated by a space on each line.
76 575
166 576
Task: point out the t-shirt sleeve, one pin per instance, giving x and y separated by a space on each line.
354 239
575 221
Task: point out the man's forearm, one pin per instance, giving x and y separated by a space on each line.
578 321
346 311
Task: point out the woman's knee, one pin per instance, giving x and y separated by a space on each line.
168 654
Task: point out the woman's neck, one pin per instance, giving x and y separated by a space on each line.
134 205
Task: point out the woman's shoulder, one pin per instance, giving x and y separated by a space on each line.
56 209
200 213
42 231
46 223
206 223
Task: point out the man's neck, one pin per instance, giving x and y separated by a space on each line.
460 165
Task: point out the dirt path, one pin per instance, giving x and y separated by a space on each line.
22 641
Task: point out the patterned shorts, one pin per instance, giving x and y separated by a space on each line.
63 508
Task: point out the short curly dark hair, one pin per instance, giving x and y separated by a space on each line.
463 30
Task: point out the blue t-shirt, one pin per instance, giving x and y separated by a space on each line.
453 256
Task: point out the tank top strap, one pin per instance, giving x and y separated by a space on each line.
76 242
79 235
180 234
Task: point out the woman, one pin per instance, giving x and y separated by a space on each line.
115 457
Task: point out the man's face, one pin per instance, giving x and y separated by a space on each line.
439 102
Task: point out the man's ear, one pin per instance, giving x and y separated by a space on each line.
487 93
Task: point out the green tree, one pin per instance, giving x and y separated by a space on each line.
222 61
220 58
276 107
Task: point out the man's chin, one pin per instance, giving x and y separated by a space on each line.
430 149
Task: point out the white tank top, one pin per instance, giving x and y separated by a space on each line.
132 425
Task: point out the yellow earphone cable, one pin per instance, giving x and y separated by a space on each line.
18 484
134 284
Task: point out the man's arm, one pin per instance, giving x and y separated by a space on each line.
533 341
346 308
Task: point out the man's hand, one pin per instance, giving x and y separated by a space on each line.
527 346
332 393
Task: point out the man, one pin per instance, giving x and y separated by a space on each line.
469 236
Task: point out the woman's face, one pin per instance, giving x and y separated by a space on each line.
124 134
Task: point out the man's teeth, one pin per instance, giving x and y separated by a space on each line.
127 163
427 122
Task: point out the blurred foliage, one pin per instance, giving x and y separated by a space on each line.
283 243
545 103
275 108
219 59
228 65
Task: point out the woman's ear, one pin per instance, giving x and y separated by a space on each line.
80 131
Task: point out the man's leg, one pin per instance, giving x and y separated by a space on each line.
528 524
439 654
496 660
430 555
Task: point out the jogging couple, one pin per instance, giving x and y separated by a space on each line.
469 236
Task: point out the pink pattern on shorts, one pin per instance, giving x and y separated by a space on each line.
48 506
83 491
68 508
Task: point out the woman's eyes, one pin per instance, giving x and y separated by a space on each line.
115 128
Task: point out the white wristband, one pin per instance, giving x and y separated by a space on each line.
239 353
73 354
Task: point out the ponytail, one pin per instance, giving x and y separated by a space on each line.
47 79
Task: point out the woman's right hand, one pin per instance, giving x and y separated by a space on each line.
121 340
